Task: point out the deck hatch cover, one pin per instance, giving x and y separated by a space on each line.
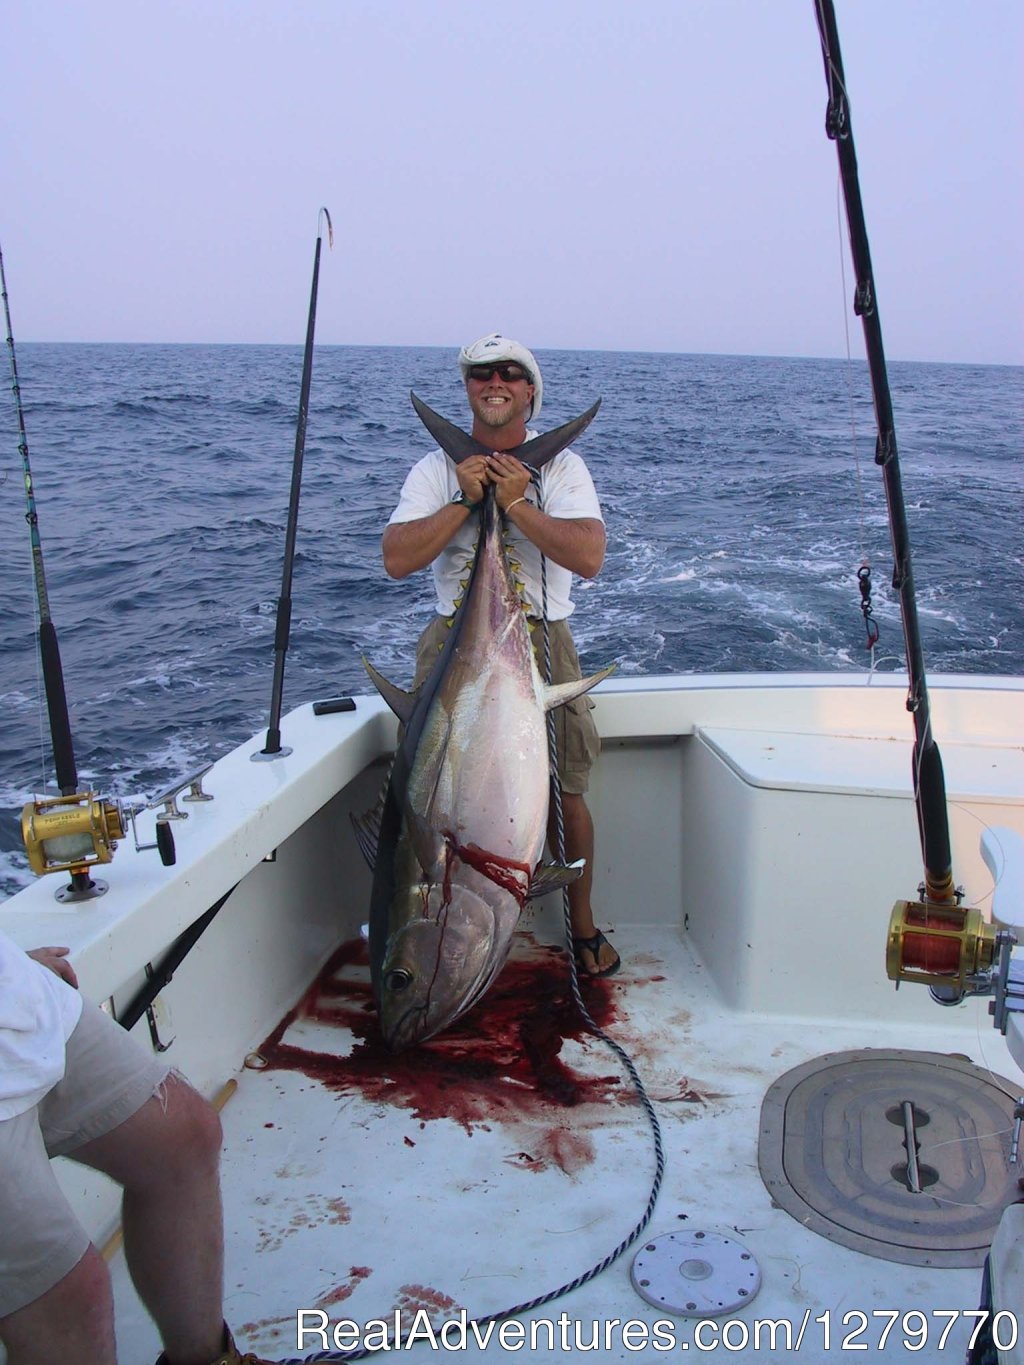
833 1153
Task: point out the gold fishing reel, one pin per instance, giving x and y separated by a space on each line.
75 833
943 945
71 833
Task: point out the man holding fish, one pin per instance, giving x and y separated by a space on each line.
554 517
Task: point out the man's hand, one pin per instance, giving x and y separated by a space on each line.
510 477
474 475
56 960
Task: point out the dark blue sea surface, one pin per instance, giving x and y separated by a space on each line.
741 495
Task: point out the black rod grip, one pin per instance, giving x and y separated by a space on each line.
57 708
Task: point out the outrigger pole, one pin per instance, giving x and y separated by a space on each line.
929 781
273 748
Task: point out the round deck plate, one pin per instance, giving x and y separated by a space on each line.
695 1274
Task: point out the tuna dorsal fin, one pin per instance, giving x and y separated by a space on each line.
557 694
536 453
400 701
553 876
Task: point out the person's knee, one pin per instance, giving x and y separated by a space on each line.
179 1136
194 1129
79 1306
87 1285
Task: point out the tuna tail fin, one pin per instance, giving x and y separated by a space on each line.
541 449
536 453
452 439
400 701
557 694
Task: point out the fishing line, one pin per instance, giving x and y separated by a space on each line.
32 516
864 572
927 1148
1011 1092
36 568
833 80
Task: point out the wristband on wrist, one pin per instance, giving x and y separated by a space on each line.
514 503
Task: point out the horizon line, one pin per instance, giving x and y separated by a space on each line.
566 350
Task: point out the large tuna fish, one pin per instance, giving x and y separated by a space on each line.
456 842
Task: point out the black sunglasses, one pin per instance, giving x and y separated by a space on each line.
507 371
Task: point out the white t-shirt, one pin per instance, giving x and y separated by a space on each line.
566 490
38 1014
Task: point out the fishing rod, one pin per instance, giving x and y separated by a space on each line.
929 781
75 830
933 940
53 674
282 631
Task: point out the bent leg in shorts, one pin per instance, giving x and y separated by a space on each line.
108 1078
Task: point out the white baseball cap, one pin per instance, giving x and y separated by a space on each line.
490 350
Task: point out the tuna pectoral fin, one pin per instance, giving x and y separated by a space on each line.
400 701
557 694
553 876
429 845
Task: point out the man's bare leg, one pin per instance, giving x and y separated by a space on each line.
579 843
166 1156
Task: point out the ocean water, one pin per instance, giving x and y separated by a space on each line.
740 495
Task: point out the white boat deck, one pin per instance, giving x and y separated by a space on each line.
446 1178
752 835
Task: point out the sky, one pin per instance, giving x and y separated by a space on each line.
594 174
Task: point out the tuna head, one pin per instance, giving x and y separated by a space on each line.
436 962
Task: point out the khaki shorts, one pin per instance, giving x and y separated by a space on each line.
108 1078
576 737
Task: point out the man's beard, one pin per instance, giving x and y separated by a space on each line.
495 415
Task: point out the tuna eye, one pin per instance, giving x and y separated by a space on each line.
398 979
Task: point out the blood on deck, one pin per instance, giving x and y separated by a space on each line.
502 1059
